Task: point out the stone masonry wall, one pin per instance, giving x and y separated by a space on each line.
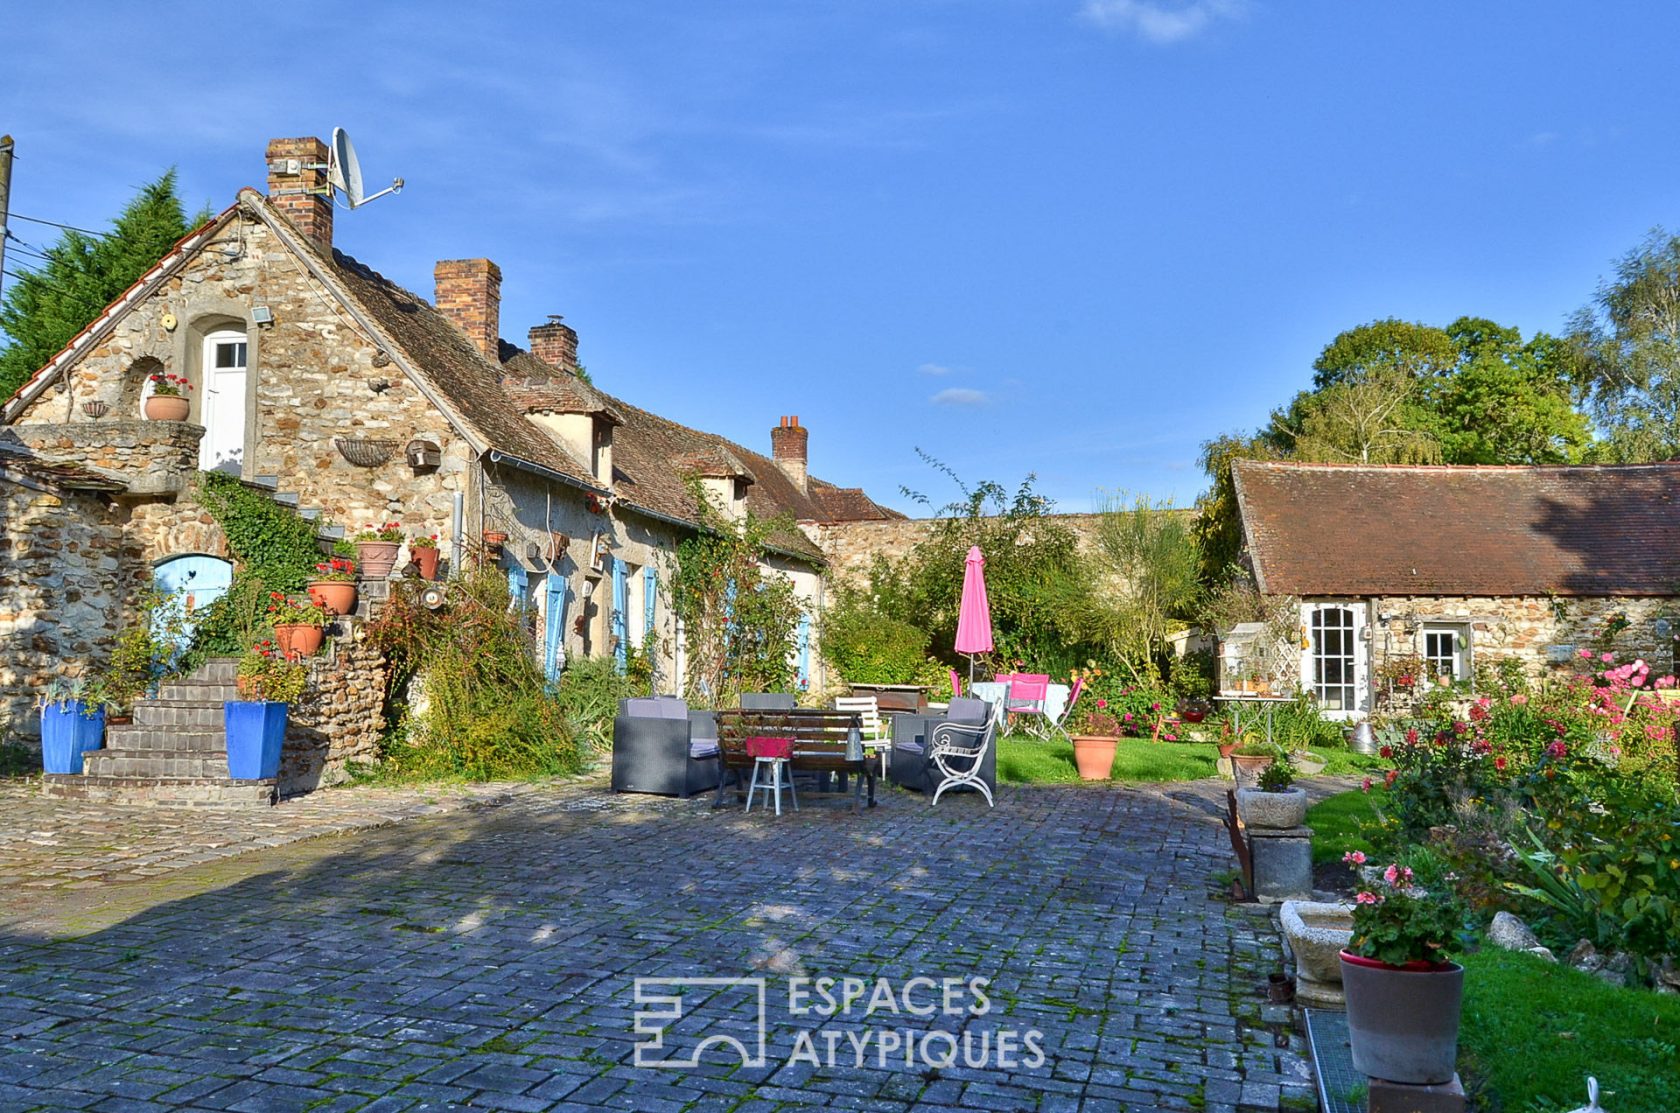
340 721
1526 629
314 376
851 547
60 573
152 457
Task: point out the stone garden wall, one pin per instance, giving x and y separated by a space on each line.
851 547
61 572
340 721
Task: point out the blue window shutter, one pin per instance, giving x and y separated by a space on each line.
650 590
517 583
554 631
620 604
804 651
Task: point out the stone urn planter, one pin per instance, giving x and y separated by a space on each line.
167 407
1094 755
299 639
1317 932
1276 811
1403 1020
336 597
255 730
375 559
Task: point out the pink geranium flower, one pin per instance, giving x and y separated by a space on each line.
1354 857
1368 898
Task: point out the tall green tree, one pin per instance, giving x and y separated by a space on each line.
81 275
1148 550
1626 346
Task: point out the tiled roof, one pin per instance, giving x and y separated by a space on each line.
1326 529
535 387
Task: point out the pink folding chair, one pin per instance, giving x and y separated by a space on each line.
956 685
1060 724
1029 695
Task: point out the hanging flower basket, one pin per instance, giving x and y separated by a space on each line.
365 453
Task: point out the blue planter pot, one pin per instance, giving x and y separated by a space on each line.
68 732
255 730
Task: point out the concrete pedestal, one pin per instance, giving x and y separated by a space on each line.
1398 1097
1282 862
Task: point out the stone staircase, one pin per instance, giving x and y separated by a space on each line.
174 753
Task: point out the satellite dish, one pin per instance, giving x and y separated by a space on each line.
344 173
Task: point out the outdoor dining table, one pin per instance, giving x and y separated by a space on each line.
995 692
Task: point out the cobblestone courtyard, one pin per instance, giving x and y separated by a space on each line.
486 958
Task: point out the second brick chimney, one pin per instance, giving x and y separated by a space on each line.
469 293
297 186
555 344
788 447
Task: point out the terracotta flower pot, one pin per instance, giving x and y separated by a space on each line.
494 538
1094 754
1226 749
1403 1020
375 559
333 596
1246 767
299 639
167 407
427 559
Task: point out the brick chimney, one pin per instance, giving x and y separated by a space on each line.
300 191
469 293
555 344
788 447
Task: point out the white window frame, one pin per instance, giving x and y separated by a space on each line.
1460 634
1357 684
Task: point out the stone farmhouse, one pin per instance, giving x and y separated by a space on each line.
323 383
1428 572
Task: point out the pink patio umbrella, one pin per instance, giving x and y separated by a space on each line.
974 617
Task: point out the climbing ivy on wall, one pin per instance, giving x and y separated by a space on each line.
275 549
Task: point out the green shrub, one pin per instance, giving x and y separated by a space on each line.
868 646
487 710
588 695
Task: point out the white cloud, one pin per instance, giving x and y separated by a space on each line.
960 396
1162 22
933 369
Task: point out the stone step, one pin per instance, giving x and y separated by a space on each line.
182 792
168 740
217 670
286 498
181 714
153 764
332 532
197 691
272 482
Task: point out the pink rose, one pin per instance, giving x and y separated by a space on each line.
1607 658
1368 898
1354 857
1366 787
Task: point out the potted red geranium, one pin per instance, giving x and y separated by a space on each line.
1403 989
334 586
300 628
376 549
168 399
424 550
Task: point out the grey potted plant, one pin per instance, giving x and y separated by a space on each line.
1403 990
1274 802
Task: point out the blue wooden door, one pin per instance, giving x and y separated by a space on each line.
195 580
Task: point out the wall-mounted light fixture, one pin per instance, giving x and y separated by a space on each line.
262 314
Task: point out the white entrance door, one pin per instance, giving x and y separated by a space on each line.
222 405
1336 662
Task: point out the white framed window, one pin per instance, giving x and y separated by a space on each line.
1333 657
1445 650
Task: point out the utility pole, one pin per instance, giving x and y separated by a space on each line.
5 199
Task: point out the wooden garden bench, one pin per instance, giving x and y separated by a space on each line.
820 741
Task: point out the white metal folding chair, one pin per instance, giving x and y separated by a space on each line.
956 753
877 731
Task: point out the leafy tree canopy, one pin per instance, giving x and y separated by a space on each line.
81 275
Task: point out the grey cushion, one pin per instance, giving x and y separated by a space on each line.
703 748
968 711
702 724
671 707
767 701
643 709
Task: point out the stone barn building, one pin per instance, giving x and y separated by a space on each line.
1431 572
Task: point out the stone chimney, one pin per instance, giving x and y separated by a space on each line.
555 344
298 189
469 293
788 447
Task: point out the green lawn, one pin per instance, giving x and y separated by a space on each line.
1533 1030
1023 759
1337 821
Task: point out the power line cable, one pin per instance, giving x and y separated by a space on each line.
56 224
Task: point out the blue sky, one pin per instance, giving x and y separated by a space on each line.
1071 237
